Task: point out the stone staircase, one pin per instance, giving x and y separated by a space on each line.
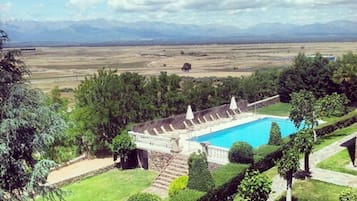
177 167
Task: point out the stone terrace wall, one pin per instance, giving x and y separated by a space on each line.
158 161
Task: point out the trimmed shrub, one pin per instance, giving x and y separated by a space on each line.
275 135
144 197
348 195
199 178
241 152
187 195
123 146
254 187
178 185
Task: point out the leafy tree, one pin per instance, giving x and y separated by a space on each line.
254 187
58 103
27 128
332 105
199 178
105 104
123 145
345 74
287 166
303 109
307 73
241 152
304 143
275 135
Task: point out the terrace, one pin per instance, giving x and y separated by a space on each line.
173 134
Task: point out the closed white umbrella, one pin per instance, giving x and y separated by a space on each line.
233 104
189 113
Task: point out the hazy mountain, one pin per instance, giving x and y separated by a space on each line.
114 32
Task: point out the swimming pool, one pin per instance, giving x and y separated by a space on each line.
255 133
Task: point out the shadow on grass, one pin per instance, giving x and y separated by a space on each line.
351 145
284 198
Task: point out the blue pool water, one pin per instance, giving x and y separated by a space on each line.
255 133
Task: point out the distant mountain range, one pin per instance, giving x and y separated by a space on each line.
105 32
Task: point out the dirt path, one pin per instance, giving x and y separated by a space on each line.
79 168
279 184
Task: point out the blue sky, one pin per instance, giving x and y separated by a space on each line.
241 13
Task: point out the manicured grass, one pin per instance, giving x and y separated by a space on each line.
225 173
277 109
312 190
334 136
338 163
271 173
321 143
113 185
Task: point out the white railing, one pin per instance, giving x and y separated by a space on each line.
154 143
216 154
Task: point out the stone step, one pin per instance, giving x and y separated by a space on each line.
179 163
181 157
162 182
178 169
164 178
175 173
157 185
164 174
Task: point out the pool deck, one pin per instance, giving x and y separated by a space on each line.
188 146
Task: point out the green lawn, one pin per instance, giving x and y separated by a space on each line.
277 109
321 142
338 163
312 190
114 185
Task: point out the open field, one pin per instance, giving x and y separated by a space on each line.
66 66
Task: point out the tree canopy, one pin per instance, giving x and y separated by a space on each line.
27 128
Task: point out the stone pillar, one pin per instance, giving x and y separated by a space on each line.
205 147
175 141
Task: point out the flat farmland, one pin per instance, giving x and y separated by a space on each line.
67 66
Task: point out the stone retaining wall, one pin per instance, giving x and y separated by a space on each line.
158 161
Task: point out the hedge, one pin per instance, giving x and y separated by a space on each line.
229 188
342 122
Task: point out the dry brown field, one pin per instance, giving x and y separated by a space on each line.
67 66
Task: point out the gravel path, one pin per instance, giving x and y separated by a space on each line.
78 168
279 184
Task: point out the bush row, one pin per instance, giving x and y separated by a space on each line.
342 122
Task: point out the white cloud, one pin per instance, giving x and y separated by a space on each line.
5 11
83 4
215 5
5 7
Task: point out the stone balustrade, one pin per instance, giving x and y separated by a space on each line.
156 143
215 154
